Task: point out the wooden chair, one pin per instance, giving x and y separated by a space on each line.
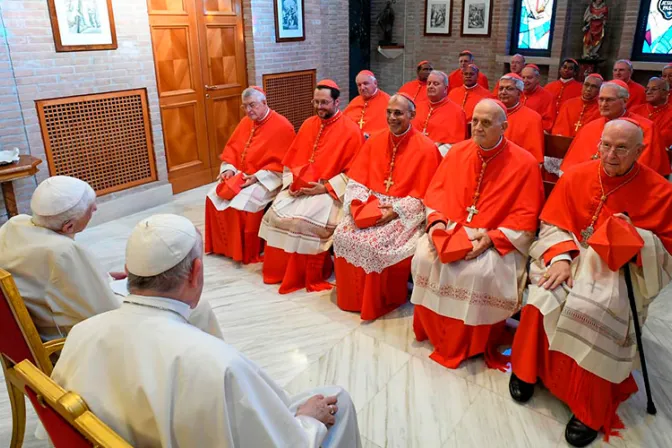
65 415
555 146
19 340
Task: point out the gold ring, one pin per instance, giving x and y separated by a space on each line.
546 275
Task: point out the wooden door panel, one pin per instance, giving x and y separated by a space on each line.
199 58
177 62
218 6
173 60
222 57
224 70
180 136
224 113
166 6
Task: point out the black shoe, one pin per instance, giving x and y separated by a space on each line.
520 390
578 434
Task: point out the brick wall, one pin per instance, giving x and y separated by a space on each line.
444 51
325 47
39 72
12 134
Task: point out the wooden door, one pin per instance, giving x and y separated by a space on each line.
190 112
224 70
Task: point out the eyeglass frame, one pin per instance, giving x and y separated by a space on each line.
618 152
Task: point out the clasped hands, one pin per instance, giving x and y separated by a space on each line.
317 188
480 240
320 408
228 174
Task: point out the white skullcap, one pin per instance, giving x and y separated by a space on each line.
57 194
159 243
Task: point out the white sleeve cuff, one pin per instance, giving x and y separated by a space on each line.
561 257
227 167
314 429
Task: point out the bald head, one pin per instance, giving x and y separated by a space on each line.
656 91
488 123
517 63
620 146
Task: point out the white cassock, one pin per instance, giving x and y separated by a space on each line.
457 289
252 198
304 224
592 322
158 381
60 280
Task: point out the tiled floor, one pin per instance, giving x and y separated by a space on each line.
403 399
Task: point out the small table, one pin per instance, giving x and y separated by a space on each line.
26 166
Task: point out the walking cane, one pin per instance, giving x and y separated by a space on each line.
650 407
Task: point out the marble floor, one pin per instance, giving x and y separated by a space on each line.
403 399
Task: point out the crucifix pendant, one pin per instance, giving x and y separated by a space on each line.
388 184
472 211
586 234
577 126
361 123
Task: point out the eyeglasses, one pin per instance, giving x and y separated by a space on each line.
620 151
250 106
319 103
652 89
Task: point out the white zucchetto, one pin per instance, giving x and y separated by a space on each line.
159 243
57 195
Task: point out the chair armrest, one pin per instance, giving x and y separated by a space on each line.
54 346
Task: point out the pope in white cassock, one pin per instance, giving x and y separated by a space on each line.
158 381
60 281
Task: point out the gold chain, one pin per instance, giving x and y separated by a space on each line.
484 165
588 231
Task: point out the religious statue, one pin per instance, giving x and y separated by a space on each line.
385 21
594 21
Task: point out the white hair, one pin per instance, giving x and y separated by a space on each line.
441 74
621 91
77 211
626 62
170 280
520 85
666 85
254 93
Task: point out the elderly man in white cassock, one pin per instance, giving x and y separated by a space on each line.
60 281
159 381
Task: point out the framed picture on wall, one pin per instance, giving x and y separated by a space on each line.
82 25
476 18
438 17
289 23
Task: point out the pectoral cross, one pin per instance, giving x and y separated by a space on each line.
361 122
586 234
388 184
577 126
472 211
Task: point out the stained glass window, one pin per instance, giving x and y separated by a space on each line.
533 27
653 40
